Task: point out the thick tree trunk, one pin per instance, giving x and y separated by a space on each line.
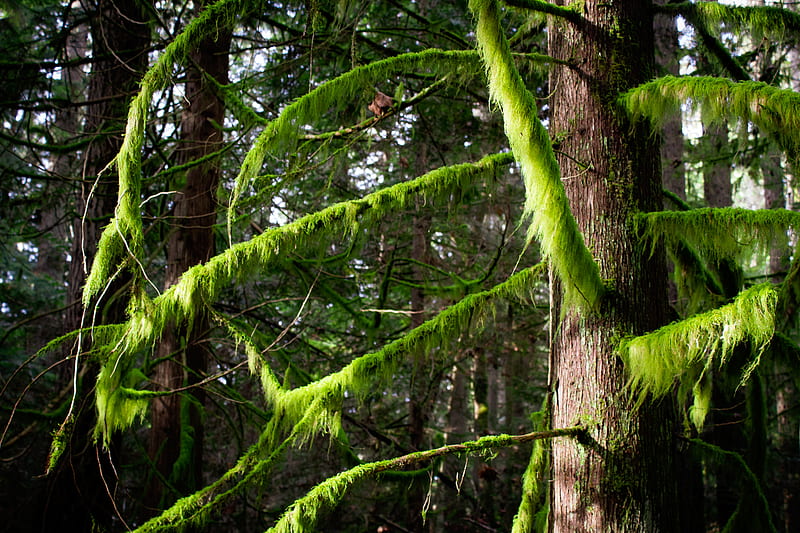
176 441
621 478
78 491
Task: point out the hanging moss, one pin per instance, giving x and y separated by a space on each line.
771 109
200 285
303 514
125 235
281 134
546 204
758 21
360 376
717 233
687 351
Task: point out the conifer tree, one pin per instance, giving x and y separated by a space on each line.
313 287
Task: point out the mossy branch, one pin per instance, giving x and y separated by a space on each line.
360 376
304 513
200 285
124 235
546 204
760 21
356 84
717 233
568 13
774 110
688 351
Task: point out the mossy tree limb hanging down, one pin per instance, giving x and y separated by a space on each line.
123 237
200 286
717 233
546 205
688 351
281 134
774 110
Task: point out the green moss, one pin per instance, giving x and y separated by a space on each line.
546 205
774 110
688 351
717 233
281 134
759 21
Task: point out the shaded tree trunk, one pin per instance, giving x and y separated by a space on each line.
621 477
176 436
78 491
673 170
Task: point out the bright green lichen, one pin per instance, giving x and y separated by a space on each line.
281 134
718 233
546 205
124 236
758 21
688 351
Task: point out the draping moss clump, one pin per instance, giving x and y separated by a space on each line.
363 374
124 236
772 109
357 84
546 205
718 233
759 21
688 351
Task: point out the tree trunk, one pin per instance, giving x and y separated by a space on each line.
78 489
176 436
621 477
673 170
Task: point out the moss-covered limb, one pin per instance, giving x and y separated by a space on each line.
719 52
360 375
688 351
775 22
201 284
774 110
679 202
546 204
727 457
125 235
540 6
282 133
717 233
306 512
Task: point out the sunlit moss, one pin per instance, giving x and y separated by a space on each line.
688 351
546 205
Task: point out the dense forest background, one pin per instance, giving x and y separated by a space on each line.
342 170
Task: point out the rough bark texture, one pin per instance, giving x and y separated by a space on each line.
621 478
191 241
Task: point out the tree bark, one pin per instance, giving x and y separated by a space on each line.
621 478
177 440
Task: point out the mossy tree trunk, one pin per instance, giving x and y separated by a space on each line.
622 476
176 437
